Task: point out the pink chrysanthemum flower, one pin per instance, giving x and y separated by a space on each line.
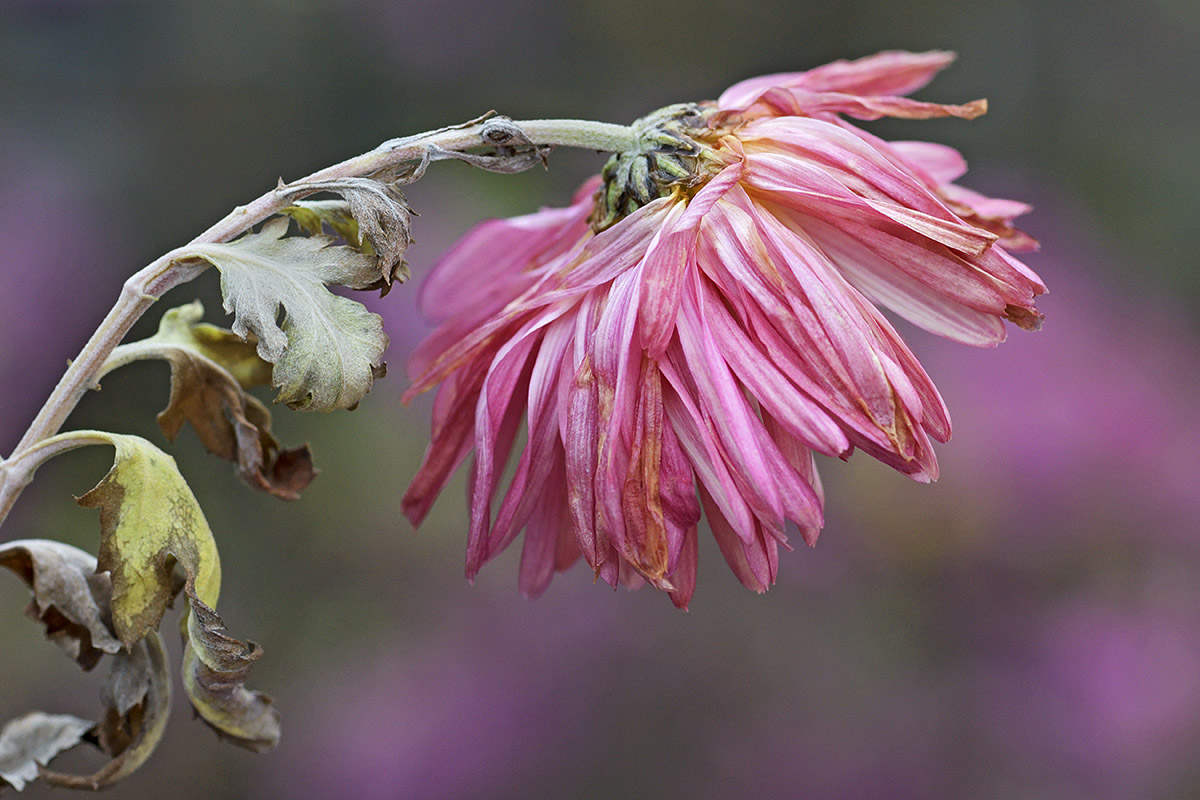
702 319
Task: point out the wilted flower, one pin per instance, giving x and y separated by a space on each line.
702 318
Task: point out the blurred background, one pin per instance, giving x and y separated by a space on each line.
1027 627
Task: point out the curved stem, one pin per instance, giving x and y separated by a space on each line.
145 287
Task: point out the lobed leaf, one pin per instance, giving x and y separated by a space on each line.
328 349
210 370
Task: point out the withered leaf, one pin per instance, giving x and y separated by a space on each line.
137 703
511 151
329 349
137 692
210 369
34 739
69 598
373 217
150 521
215 668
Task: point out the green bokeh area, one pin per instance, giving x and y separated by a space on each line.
1029 626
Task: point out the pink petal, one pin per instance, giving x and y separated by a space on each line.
887 73
540 549
684 576
494 434
904 278
800 102
701 447
509 248
665 266
453 437
810 189
754 559
941 163
526 492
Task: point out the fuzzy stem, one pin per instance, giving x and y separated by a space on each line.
145 287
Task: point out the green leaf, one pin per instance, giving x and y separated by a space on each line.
210 368
328 349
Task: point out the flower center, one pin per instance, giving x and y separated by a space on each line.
670 156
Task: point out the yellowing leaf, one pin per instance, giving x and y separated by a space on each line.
328 349
149 522
210 368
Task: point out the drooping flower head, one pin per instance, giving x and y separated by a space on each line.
702 319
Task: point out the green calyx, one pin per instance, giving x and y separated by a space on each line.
671 156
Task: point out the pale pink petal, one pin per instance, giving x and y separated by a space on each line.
887 73
800 102
809 189
964 305
863 169
939 162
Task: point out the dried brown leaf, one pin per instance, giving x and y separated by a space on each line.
210 369
69 598
215 668
137 691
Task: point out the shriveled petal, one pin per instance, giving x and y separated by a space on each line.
666 265
581 439
539 553
808 188
891 72
526 493
684 575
